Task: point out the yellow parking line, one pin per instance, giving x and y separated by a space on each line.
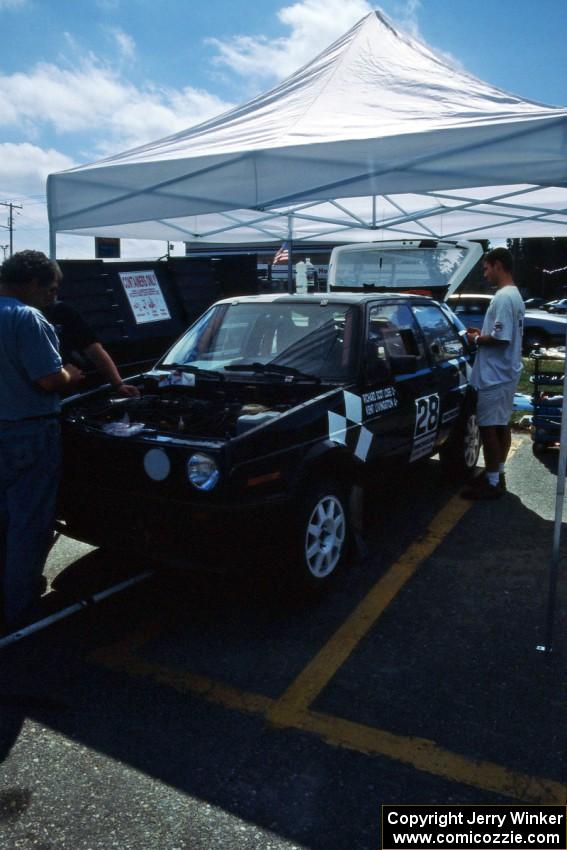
123 657
429 757
292 708
419 753
321 669
325 664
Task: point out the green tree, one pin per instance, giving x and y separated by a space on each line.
534 257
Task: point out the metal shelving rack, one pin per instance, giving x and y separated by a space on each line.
546 419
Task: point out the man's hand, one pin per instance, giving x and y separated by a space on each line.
472 335
75 375
128 390
66 378
108 369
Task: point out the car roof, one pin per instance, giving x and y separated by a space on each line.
320 297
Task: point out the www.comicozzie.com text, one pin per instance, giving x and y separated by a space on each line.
482 839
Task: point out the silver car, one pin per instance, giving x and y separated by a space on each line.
540 328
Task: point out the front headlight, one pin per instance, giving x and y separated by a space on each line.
202 472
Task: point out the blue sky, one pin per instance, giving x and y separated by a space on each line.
89 78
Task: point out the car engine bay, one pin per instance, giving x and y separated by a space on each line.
209 410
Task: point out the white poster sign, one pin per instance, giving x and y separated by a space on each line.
145 296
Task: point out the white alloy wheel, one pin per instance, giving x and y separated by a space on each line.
471 443
325 536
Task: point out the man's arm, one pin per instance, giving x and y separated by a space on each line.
39 354
502 321
476 338
107 367
78 336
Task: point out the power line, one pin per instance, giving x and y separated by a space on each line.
29 203
11 206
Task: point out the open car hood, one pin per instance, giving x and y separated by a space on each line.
427 267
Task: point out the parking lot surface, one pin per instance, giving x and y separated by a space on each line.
213 712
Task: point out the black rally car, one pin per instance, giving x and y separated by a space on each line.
262 420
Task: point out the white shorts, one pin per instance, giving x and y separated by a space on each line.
495 404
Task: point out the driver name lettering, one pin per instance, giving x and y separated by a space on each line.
379 400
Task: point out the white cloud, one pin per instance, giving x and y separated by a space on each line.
31 230
24 167
409 17
94 98
90 107
30 224
23 172
126 44
12 4
314 25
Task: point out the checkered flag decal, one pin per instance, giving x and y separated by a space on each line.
348 429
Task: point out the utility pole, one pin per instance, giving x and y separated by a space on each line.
11 208
4 249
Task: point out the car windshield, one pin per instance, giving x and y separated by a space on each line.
295 339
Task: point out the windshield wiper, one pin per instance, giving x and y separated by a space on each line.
194 370
272 368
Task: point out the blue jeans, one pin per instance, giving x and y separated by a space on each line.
30 459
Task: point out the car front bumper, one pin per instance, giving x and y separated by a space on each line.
176 533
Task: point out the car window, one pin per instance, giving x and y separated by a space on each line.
462 305
460 308
441 336
317 338
392 328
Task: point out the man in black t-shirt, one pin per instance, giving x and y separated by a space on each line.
75 336
77 340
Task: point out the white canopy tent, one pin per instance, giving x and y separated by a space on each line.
377 136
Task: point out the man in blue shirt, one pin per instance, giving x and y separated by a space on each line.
31 376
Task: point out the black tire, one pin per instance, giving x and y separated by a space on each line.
459 454
321 535
533 338
539 448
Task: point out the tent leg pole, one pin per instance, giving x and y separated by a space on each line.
289 253
559 500
52 242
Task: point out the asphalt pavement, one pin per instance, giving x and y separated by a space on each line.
195 712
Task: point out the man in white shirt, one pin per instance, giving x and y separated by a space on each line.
496 372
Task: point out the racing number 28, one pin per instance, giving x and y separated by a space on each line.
426 414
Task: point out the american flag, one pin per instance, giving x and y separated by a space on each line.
281 255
